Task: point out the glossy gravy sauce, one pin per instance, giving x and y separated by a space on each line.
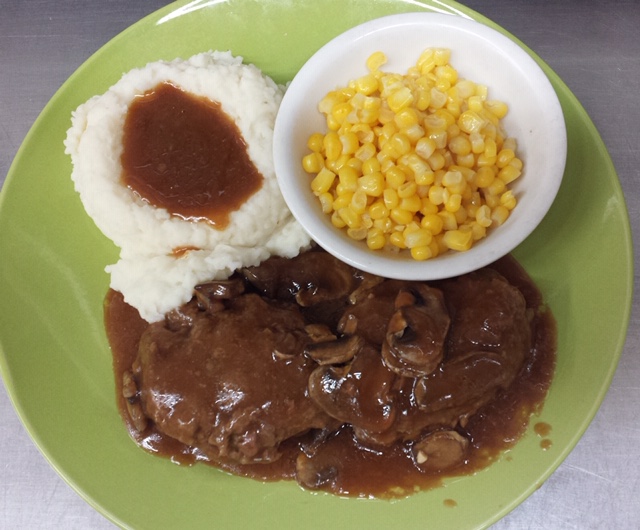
386 473
183 153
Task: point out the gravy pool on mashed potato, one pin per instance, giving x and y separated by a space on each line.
163 256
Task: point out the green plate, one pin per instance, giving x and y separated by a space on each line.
56 361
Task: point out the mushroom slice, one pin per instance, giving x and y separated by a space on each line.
310 474
360 393
319 332
338 351
220 289
414 342
369 281
440 450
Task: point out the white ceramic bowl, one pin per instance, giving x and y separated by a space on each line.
478 53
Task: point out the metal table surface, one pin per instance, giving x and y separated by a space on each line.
595 48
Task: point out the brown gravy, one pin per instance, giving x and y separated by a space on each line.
387 473
183 153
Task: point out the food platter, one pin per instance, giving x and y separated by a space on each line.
55 359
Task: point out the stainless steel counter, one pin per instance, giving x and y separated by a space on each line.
595 48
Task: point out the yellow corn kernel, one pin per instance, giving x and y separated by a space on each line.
439 137
490 148
340 111
342 200
358 234
338 164
482 91
498 108
505 156
359 202
432 222
475 104
406 118
366 151
413 132
517 163
313 162
427 206
390 197
400 144
484 160
314 143
492 201
332 145
417 238
350 218
477 143
478 231
367 84
458 240
411 204
441 56
436 195
460 145
400 216
421 253
466 88
378 210
422 98
470 122
395 177
453 179
326 202
371 165
332 123
426 62
372 184
499 215
437 161
407 189
453 203
484 177
375 61
424 178
329 101
508 200
397 240
497 187
449 221
323 181
385 224
376 239
363 131
438 99
446 71
468 160
350 142
348 178
435 247
354 163
337 221
425 147
461 216
483 216
508 174
400 99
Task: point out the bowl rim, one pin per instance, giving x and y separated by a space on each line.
386 263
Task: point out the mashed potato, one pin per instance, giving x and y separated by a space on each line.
150 274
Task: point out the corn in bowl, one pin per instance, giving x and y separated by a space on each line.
416 162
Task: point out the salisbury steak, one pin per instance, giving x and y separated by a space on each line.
231 381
